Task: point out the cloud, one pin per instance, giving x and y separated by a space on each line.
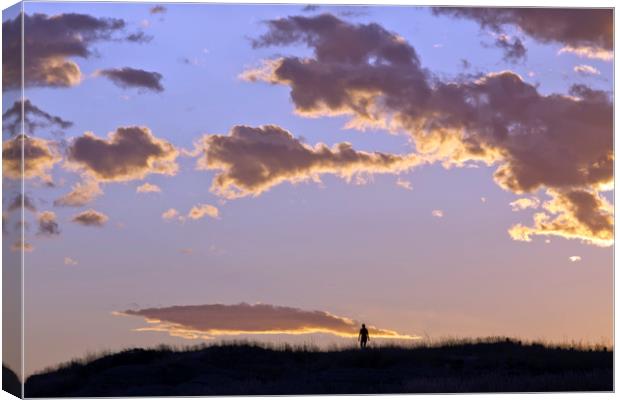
40 156
148 188
186 250
534 141
574 214
574 258
21 246
588 52
34 119
197 212
574 27
16 203
513 52
586 70
403 183
437 213
158 9
203 210
138 37
170 214
251 160
70 261
483 199
210 320
525 203
48 226
128 153
133 78
90 218
81 194
52 40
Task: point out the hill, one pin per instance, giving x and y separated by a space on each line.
489 365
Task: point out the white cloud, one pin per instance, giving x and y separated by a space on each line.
403 183
437 213
584 69
70 261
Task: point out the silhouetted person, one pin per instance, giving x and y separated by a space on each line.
363 337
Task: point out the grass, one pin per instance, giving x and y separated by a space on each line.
241 367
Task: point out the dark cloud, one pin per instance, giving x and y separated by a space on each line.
133 78
90 218
573 27
139 37
128 153
513 51
555 141
40 156
329 36
159 9
206 321
48 226
252 160
18 201
310 8
52 40
34 119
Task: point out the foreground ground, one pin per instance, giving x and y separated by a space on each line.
481 366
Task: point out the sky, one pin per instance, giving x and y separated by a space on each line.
200 172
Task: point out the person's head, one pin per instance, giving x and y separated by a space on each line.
363 325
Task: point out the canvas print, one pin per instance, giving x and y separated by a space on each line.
205 199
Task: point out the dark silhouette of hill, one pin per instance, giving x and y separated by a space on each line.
10 382
490 365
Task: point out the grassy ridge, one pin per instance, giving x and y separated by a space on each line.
484 365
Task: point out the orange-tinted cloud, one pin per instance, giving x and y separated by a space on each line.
20 246
90 218
594 53
251 160
535 141
148 188
574 214
203 210
170 214
81 194
210 320
40 156
126 154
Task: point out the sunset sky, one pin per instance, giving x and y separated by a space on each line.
288 170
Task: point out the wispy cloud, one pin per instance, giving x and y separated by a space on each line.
403 183
70 261
586 70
